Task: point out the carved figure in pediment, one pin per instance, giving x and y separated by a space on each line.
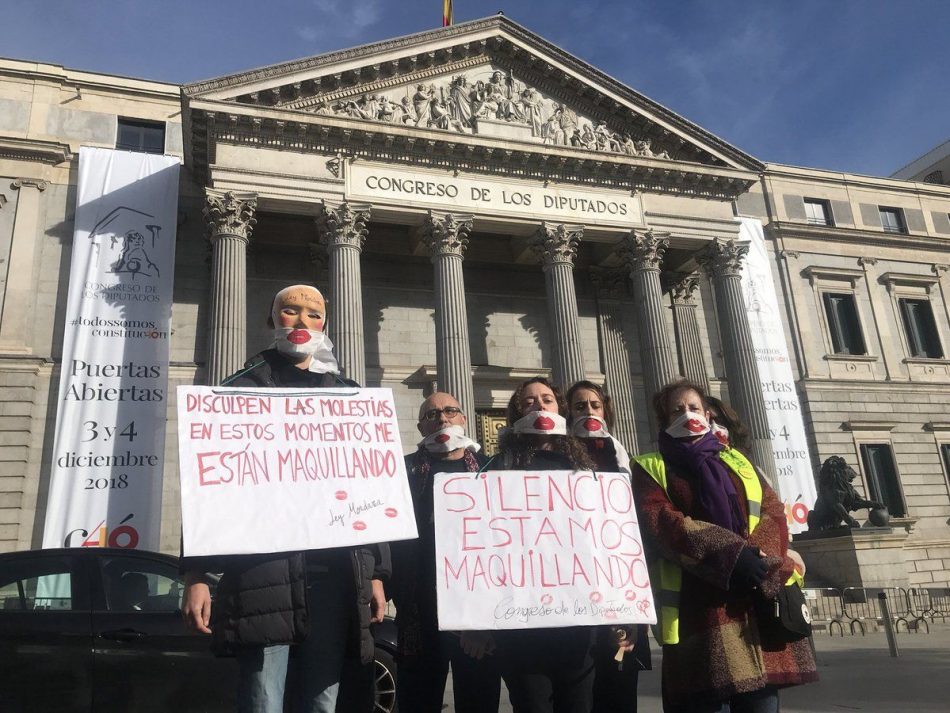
323 109
531 108
460 103
387 110
628 145
587 139
551 131
407 112
644 148
499 87
421 102
439 116
606 139
568 122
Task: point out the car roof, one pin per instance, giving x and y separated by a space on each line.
86 552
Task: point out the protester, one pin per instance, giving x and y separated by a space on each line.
424 653
320 601
546 670
615 680
716 534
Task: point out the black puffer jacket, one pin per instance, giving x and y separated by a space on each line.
261 599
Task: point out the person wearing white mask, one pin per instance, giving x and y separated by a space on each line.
424 653
546 670
321 602
716 537
615 679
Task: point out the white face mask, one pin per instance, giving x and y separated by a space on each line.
721 433
298 344
688 424
542 423
590 427
447 440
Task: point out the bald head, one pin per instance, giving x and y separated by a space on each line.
432 415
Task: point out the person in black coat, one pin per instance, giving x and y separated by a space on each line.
424 652
320 601
546 670
615 682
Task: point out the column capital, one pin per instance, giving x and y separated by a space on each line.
609 284
556 244
939 270
643 249
723 258
343 225
446 235
230 213
37 183
682 287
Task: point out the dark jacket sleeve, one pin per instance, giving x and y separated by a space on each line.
383 569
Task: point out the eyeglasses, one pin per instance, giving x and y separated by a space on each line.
433 414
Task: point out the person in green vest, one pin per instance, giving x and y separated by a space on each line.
717 539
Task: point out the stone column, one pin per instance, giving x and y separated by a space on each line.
610 287
642 251
556 246
343 232
722 261
230 218
447 239
16 325
689 346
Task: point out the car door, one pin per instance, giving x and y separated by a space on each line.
45 633
144 658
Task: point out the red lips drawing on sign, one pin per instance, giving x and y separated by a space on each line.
592 425
391 512
298 336
543 423
694 426
359 525
340 495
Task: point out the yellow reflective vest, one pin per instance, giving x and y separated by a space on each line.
667 576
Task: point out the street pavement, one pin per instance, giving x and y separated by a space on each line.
857 674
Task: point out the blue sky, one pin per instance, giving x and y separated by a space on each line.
851 85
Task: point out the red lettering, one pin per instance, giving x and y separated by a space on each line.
202 468
466 532
446 491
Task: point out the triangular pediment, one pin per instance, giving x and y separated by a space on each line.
488 78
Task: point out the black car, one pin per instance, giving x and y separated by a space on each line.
97 630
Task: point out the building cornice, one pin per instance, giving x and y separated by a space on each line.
902 241
497 35
34 151
211 122
854 180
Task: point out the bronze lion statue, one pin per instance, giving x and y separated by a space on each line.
837 497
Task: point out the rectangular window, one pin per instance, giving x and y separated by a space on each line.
878 460
143 136
818 212
892 220
843 323
920 328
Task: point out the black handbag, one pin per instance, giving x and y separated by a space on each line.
787 617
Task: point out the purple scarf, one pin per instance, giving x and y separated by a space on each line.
699 460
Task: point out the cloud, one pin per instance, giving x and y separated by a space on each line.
339 20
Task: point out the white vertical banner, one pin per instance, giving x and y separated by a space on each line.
796 483
106 480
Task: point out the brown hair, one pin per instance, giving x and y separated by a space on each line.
661 399
724 415
519 446
601 394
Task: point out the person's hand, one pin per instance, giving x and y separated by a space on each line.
477 644
624 638
750 570
797 561
378 602
196 604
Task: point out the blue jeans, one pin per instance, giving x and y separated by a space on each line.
765 700
318 660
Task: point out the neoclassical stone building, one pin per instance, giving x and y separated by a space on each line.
481 207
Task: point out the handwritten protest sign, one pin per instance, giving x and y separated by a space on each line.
274 470
538 549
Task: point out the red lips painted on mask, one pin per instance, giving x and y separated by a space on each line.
722 437
592 425
442 438
298 336
543 423
694 426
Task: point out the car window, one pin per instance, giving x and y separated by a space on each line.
41 584
140 584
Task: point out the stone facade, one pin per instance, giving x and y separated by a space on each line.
567 223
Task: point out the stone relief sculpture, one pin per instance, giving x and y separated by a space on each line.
495 97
